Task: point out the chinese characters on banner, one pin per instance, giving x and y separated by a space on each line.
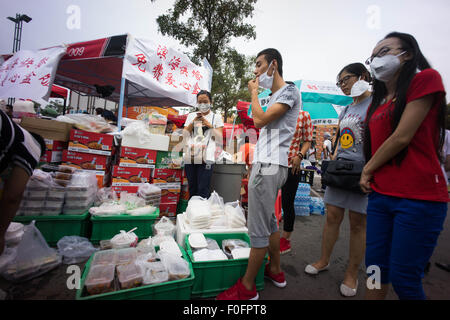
164 71
30 74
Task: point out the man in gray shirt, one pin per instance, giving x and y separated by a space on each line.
269 172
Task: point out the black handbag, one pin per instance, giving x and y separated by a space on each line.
344 174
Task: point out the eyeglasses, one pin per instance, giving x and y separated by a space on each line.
383 51
345 79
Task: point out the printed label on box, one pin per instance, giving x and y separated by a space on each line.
52 156
90 142
124 176
136 157
129 189
55 145
161 175
168 209
85 161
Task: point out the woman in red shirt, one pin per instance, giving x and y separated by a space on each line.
404 134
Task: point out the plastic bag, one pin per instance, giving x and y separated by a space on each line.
131 201
34 257
124 240
88 122
155 272
235 214
105 195
108 209
198 213
177 267
229 245
157 239
217 207
147 190
146 210
164 227
75 249
139 130
209 255
146 246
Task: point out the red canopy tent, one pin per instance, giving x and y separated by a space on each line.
59 92
178 120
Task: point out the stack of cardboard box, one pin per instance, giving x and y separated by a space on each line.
91 151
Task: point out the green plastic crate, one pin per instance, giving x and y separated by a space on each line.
213 277
172 290
104 228
182 205
54 228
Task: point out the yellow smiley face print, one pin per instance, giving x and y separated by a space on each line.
347 138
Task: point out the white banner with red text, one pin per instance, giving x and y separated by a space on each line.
165 71
30 74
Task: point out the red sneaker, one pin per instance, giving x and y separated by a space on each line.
285 245
277 279
238 292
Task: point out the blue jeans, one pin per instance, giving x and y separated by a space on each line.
400 240
199 179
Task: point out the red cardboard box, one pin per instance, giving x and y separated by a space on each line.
167 209
90 142
85 161
136 157
51 156
103 180
167 175
55 145
124 176
129 189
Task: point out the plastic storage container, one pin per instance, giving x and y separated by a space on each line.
126 256
129 275
104 257
106 227
172 290
54 228
100 279
56 193
213 277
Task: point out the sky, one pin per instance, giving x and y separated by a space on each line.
315 38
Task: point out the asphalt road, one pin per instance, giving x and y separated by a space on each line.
305 243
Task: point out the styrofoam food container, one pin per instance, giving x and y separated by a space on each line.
197 240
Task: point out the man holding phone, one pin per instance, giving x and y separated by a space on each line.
269 172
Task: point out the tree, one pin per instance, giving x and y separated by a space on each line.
208 26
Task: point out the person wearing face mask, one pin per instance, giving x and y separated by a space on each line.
354 80
404 136
204 128
269 172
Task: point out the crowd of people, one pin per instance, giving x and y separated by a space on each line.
395 126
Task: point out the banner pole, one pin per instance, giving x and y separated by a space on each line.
122 93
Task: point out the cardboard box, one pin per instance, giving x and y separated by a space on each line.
168 209
85 161
48 129
176 143
55 145
129 189
161 175
91 142
169 160
103 180
137 157
52 156
170 192
124 176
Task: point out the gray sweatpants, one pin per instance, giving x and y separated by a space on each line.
263 185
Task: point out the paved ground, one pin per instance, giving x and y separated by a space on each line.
305 249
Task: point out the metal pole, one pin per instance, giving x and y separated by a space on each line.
122 94
19 38
15 35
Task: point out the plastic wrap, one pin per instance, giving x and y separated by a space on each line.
164 227
229 245
124 240
75 249
177 267
235 215
34 257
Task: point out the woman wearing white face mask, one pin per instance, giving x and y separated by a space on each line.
204 128
354 81
404 135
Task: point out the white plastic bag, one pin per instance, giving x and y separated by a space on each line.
229 245
235 214
105 195
177 267
198 213
75 249
108 209
124 239
146 210
34 257
164 227
131 201
217 207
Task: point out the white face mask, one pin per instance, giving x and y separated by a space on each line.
359 87
383 68
266 81
203 107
